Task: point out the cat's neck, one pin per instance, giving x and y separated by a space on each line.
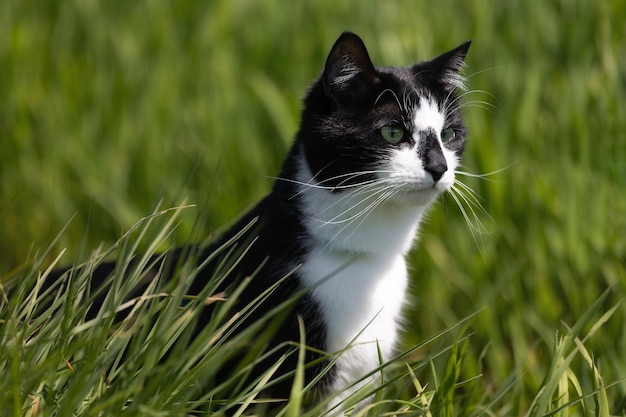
354 221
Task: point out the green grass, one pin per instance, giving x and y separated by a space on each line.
109 107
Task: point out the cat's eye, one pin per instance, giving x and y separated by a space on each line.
392 134
447 135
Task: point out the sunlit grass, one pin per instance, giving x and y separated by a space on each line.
57 361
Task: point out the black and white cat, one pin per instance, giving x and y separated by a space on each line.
376 146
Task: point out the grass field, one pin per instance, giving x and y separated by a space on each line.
109 107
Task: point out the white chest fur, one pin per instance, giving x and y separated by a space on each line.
357 271
361 299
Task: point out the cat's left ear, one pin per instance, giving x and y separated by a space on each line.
349 68
446 68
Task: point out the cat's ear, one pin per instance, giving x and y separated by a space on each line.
348 67
447 68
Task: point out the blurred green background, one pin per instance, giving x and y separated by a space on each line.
107 107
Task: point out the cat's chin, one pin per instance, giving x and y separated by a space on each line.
416 196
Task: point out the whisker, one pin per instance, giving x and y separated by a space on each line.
479 104
476 231
471 197
364 213
454 101
388 90
352 207
379 201
487 174
332 239
406 99
347 177
471 203
476 91
365 188
334 220
497 67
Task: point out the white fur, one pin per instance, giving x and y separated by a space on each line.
356 264
455 78
427 115
361 301
348 71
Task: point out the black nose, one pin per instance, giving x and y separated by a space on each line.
436 169
431 154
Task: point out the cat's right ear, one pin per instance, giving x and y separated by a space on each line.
447 68
349 68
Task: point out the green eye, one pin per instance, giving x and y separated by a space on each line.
447 135
392 134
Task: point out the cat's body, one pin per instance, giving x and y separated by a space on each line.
368 160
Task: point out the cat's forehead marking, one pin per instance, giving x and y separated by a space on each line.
426 115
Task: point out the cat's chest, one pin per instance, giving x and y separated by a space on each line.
360 298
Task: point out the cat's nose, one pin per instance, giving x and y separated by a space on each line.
437 169
432 156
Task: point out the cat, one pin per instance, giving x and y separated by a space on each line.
375 148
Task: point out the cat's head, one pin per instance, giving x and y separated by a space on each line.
400 127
